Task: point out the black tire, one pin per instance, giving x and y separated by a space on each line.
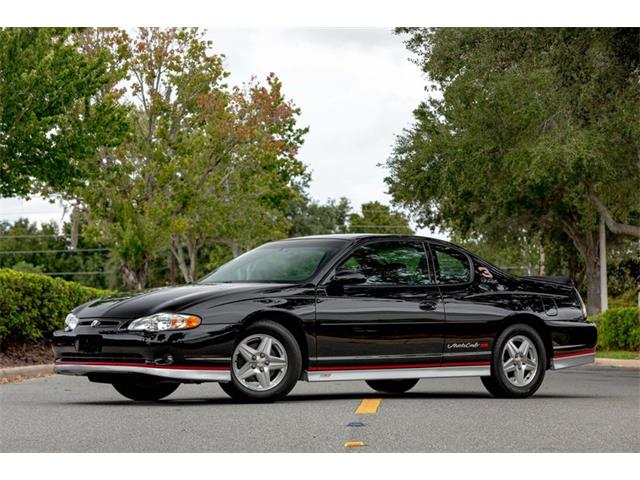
498 384
145 391
393 386
240 393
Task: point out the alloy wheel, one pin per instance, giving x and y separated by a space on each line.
259 362
520 360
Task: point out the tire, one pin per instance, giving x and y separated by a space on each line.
269 384
517 370
147 391
393 386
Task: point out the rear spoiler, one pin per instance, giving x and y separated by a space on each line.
553 279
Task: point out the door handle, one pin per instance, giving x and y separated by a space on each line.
428 305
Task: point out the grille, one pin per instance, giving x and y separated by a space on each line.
103 323
101 357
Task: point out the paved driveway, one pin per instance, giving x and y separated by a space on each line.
582 409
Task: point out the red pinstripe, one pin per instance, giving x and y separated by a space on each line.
122 364
572 354
411 365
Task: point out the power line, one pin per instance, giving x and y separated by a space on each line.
76 273
77 250
35 235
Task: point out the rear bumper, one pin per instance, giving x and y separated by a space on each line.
113 370
573 343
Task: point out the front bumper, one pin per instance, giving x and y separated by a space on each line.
112 371
113 353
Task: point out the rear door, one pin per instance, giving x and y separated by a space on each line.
472 305
395 318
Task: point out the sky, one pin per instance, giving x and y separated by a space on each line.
356 89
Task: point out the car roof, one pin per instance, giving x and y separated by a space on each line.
360 236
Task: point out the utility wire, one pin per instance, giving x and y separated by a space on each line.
77 250
35 235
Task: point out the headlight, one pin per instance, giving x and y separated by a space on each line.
70 322
159 322
582 305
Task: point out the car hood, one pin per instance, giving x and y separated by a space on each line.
170 299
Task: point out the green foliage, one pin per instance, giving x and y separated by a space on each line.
522 125
378 218
51 119
206 163
619 329
308 217
32 306
25 267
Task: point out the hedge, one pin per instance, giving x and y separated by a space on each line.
619 329
32 306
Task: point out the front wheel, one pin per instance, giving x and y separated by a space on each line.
393 386
518 363
265 365
145 391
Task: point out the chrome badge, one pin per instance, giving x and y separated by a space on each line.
95 323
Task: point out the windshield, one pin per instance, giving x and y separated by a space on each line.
280 262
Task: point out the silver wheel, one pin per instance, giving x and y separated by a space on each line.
520 360
259 362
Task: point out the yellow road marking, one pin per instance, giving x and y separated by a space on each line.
369 406
354 444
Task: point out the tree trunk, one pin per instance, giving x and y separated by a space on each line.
235 248
588 245
172 270
592 278
135 279
176 251
193 260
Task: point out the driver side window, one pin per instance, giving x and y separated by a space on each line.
390 263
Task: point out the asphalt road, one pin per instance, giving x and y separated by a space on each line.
576 410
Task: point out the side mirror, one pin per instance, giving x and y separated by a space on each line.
348 277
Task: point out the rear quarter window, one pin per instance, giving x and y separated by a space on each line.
452 266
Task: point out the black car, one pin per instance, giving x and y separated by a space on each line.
386 309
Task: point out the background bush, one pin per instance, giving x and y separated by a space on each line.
32 306
619 329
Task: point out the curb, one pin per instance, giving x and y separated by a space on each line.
27 371
616 362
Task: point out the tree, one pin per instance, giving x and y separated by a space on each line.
378 218
50 120
206 164
309 217
521 127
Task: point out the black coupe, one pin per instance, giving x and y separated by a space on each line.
385 309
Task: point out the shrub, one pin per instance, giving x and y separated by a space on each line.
619 329
32 306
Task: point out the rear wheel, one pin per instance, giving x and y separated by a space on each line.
393 386
145 391
265 365
518 363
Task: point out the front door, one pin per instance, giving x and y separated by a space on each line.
393 320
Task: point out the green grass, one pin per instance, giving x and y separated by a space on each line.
619 354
